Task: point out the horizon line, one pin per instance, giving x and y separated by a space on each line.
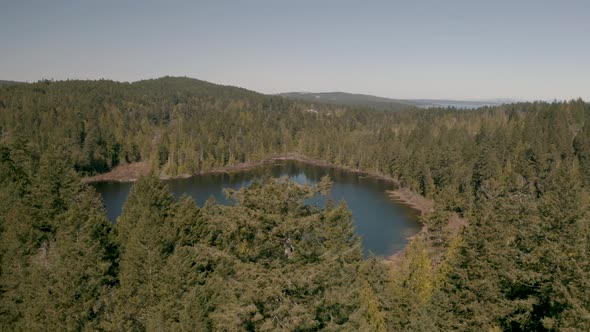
498 100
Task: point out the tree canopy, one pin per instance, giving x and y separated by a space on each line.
516 175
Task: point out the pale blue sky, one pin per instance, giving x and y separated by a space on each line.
400 49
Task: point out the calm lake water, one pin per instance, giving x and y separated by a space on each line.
383 224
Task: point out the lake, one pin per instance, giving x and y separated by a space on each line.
383 224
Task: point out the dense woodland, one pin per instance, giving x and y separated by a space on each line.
519 174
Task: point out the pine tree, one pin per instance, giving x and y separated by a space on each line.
146 238
412 285
78 271
374 318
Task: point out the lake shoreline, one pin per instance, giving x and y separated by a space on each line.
132 172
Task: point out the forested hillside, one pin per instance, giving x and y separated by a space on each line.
351 99
518 174
4 82
381 103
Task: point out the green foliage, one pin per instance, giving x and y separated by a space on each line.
518 174
58 261
266 262
412 285
375 320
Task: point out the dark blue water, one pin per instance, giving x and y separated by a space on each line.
383 224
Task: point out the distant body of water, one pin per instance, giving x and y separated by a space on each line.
383 224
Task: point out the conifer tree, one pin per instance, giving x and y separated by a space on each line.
146 239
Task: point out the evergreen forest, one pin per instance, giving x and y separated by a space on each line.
505 248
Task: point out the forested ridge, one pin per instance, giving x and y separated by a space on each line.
519 174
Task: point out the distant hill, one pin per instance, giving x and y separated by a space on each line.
350 99
336 98
381 103
4 83
192 87
429 103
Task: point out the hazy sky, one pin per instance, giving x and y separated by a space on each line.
401 49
